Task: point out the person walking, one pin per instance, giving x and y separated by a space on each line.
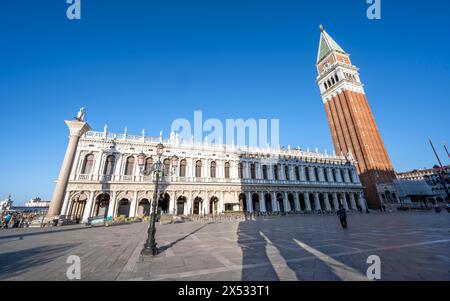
7 220
342 217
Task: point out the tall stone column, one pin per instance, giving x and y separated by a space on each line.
76 129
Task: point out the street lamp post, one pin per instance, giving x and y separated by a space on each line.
150 246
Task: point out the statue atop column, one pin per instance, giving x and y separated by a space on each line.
81 116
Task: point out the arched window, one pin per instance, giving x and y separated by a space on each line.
198 169
183 165
308 178
109 165
253 171
166 167
332 80
129 166
329 83
352 180
212 169
227 170
264 168
342 175
275 172
325 85
333 174
240 171
148 165
88 164
286 173
297 173
325 174
336 77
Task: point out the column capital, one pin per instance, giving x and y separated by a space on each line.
77 128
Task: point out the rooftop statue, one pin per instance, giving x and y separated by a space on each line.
81 116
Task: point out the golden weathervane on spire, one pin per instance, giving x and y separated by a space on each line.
321 27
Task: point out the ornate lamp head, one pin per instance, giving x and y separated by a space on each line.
159 149
141 160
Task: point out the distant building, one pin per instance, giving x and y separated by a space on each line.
37 203
419 187
431 177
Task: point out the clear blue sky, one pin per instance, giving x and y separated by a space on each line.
142 64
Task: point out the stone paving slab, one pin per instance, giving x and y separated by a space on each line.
412 246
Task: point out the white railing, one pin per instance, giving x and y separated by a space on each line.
205 146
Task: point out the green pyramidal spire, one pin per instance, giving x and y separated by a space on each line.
327 44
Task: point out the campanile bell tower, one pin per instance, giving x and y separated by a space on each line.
350 118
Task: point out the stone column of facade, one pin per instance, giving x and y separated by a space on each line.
206 202
344 201
172 203
89 205
335 201
77 129
302 173
353 202
330 175
262 202
362 201
112 204
118 169
133 205
307 201
190 205
66 203
316 202
337 173
249 202
327 202
355 176
287 205
274 202
312 176
321 174
346 176
297 202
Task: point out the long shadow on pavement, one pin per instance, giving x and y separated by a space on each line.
253 247
18 262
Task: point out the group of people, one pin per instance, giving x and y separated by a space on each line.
17 220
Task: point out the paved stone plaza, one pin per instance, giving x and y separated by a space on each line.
412 246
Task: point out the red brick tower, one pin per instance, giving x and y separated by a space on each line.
351 121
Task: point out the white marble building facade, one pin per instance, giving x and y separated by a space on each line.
106 180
